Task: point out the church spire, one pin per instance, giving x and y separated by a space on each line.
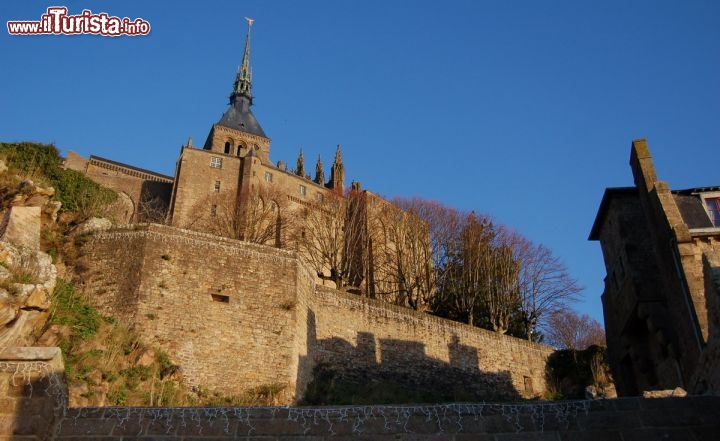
300 166
337 172
243 80
319 173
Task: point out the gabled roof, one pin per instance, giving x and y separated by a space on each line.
609 194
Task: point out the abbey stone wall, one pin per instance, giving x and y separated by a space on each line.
235 315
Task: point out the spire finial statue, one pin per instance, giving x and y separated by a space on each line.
243 79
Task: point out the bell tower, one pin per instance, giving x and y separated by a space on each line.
238 132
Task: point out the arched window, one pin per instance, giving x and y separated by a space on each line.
228 148
240 149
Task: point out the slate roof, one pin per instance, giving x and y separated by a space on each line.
691 207
239 117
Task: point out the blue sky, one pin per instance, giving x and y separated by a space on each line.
524 110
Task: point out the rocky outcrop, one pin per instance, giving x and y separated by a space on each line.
29 206
93 224
27 280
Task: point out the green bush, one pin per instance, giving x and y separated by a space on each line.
32 159
70 309
571 370
72 188
78 193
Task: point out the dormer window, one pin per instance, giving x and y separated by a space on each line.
713 207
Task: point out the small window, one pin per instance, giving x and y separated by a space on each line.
302 190
319 197
213 210
713 206
217 187
268 177
228 148
220 298
215 162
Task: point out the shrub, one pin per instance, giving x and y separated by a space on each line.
70 309
75 191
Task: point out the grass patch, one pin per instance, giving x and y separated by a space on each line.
70 309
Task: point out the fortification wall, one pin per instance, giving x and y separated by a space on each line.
235 316
140 186
707 377
33 407
695 418
361 339
222 310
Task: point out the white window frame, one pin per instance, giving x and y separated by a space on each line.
704 197
216 162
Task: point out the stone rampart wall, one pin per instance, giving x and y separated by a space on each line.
361 339
695 418
33 397
222 310
235 316
33 407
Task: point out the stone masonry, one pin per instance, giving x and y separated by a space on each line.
235 316
659 302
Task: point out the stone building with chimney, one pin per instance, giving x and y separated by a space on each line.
662 290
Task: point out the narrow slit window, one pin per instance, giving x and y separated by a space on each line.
220 298
216 188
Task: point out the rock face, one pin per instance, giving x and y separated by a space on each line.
30 207
93 224
23 227
27 280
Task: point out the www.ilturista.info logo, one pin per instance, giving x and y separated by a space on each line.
57 22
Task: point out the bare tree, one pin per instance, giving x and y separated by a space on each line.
261 217
502 293
444 225
403 265
467 279
151 208
333 232
545 284
568 330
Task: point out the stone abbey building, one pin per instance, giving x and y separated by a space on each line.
252 280
662 290
231 188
